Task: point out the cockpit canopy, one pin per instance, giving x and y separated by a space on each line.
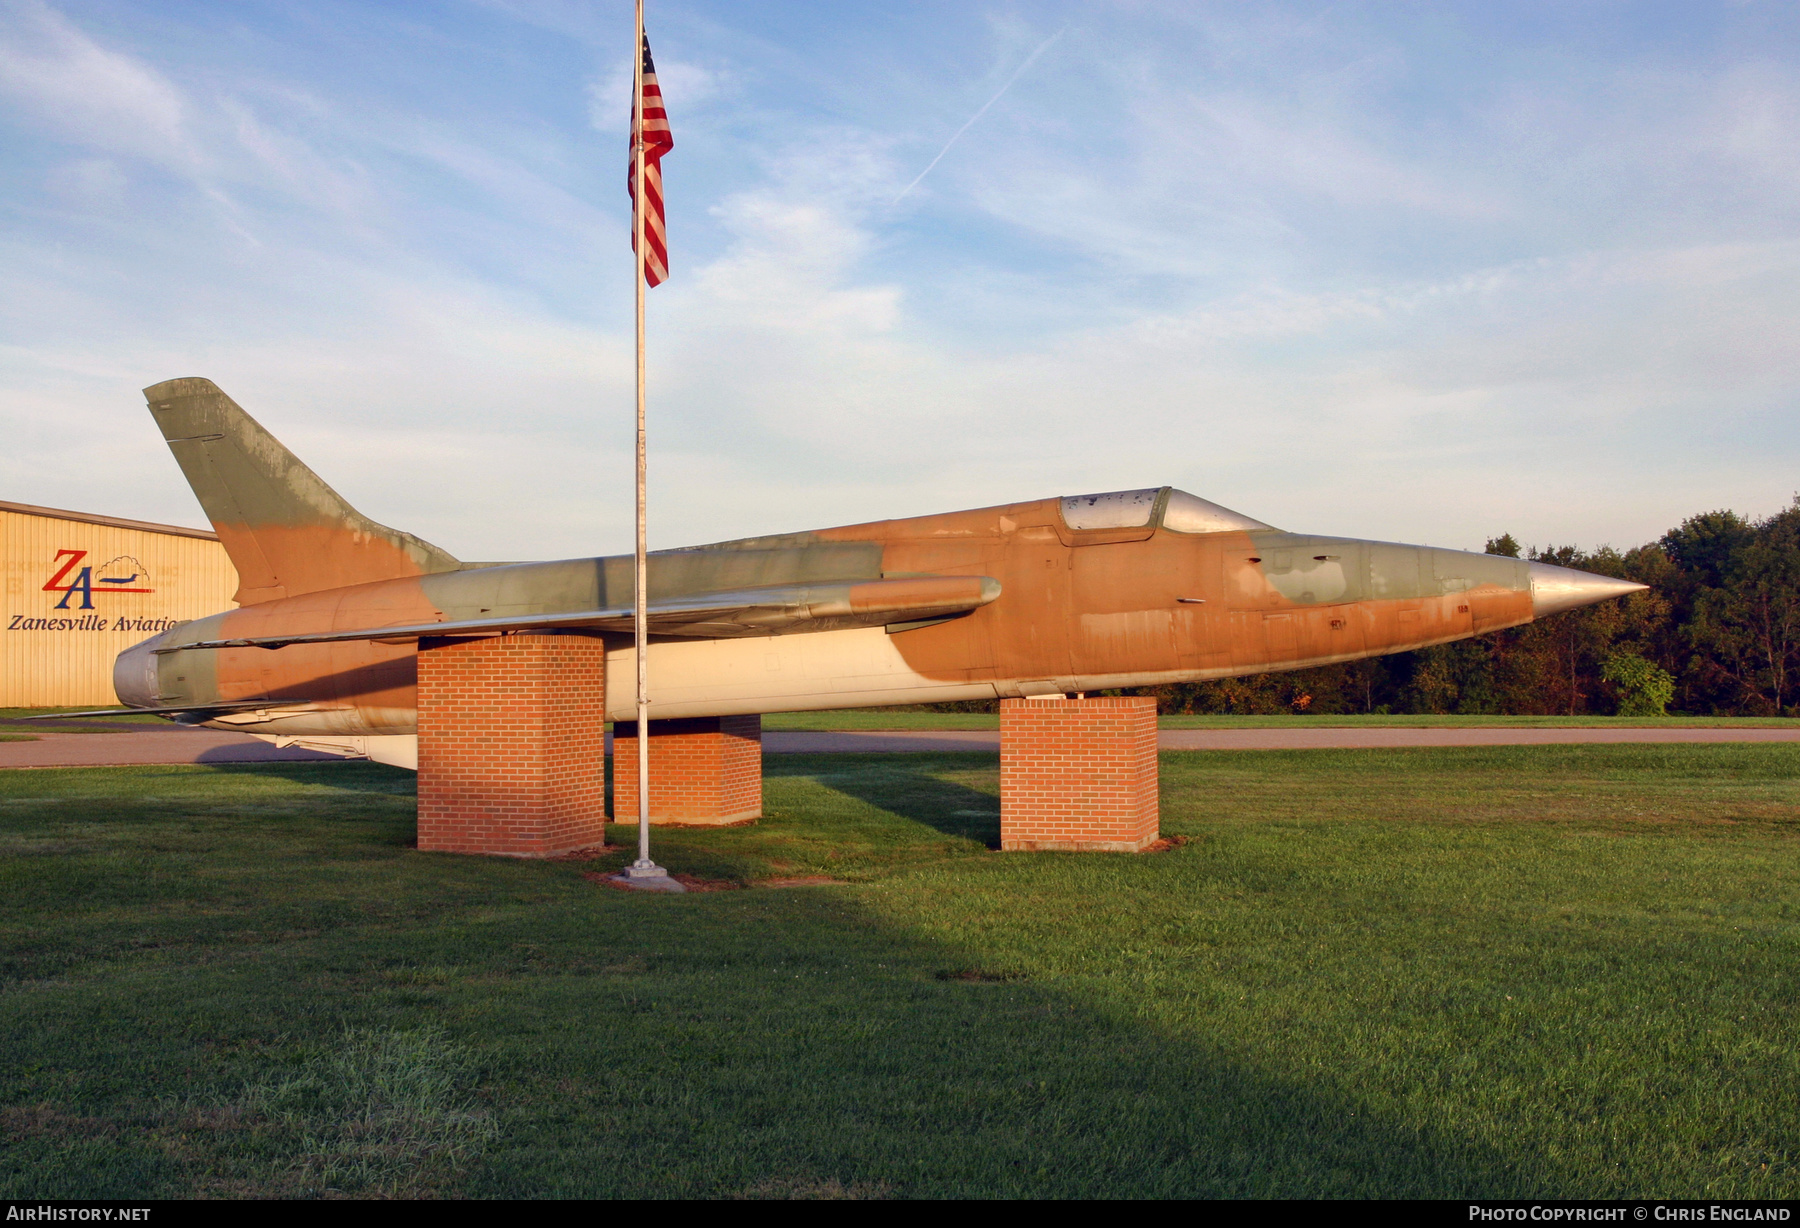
1158 507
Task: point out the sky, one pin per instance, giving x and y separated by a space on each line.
1415 272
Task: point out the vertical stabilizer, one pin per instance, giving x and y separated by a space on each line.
285 530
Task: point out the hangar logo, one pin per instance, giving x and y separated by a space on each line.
77 582
114 577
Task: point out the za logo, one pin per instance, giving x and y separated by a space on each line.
115 576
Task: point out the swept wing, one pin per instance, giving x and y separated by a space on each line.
775 610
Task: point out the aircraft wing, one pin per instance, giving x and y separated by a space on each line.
775 610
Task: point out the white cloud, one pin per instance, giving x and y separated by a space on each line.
103 99
87 181
1270 290
686 87
1757 115
1544 397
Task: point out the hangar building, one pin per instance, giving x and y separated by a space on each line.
81 589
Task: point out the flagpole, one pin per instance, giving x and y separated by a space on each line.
643 867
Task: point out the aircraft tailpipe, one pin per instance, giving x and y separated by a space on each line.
134 675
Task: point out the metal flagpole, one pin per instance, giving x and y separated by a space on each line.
643 867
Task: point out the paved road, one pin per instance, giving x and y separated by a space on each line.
1310 739
135 744
1276 739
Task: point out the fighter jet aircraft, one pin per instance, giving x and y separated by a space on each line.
1059 595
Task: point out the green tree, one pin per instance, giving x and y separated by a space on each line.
1718 631
1705 546
1744 610
1645 688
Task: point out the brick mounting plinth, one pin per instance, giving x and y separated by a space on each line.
512 744
704 770
1078 774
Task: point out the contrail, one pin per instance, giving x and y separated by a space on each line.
1017 73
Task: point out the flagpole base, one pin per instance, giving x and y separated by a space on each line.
646 875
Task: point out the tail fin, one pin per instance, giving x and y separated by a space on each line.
285 530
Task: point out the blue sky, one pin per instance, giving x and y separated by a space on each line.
1417 272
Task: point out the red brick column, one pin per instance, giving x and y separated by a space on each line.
511 744
1078 774
704 770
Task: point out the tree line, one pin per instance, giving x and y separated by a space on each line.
1718 633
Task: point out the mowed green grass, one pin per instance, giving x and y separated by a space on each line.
1496 971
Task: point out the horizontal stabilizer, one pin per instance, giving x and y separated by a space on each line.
776 610
244 705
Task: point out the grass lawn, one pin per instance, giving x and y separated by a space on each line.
1539 971
888 718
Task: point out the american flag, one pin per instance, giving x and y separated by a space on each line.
658 140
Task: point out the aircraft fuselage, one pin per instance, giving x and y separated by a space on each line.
1080 609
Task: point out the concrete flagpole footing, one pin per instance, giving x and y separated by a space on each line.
647 876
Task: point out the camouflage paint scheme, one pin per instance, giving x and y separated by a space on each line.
1051 596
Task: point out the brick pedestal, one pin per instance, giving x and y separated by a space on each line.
512 744
1078 774
703 770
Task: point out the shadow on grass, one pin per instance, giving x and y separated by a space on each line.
911 786
760 1044
983 1026
899 1038
790 1044
349 775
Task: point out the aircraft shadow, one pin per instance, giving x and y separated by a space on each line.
352 775
907 785
845 1055
904 784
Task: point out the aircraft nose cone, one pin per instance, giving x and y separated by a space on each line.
1563 588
